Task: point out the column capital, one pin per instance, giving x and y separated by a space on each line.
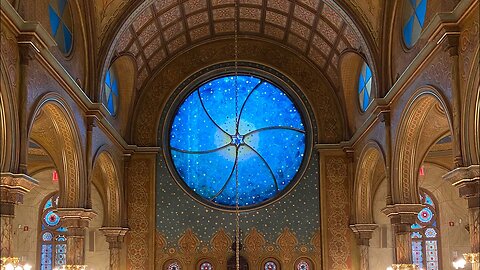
14 186
363 232
75 217
402 215
467 180
114 235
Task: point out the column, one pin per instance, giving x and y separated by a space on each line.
76 220
363 233
115 236
467 180
12 189
402 216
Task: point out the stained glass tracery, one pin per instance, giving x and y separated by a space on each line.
256 132
425 235
413 20
110 91
52 236
365 86
61 24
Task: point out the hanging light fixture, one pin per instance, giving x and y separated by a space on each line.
13 263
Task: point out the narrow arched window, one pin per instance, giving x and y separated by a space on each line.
53 238
426 234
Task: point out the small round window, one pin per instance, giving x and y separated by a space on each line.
110 91
255 135
61 24
365 87
414 12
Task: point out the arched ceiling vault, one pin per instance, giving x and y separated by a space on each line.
159 29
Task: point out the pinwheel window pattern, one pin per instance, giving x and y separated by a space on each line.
414 20
365 86
425 235
252 132
61 24
110 91
52 237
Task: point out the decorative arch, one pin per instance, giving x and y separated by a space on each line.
471 112
408 155
106 178
371 157
66 143
8 121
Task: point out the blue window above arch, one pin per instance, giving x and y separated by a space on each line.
61 24
365 80
110 91
256 134
414 20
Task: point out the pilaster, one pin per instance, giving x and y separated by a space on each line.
115 237
363 233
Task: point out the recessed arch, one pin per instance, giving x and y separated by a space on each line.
106 178
409 152
371 158
66 145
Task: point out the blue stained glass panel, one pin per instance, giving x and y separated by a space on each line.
257 127
414 21
110 92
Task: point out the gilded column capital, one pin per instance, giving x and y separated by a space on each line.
114 235
402 214
467 180
363 232
14 186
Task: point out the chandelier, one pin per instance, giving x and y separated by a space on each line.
13 263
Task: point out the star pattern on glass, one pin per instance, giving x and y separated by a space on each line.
255 133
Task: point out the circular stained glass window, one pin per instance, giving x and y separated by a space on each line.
303 265
425 215
52 219
270 266
61 24
110 91
365 86
255 134
414 12
206 266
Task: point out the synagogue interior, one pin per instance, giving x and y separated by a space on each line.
240 135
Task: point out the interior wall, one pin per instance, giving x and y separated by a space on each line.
26 221
452 209
97 254
26 225
381 245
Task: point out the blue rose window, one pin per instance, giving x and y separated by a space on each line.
264 148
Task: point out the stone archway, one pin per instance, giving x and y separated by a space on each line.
105 177
51 125
414 137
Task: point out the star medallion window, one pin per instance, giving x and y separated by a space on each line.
250 129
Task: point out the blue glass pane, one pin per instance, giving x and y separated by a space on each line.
407 32
218 97
429 200
361 82
267 142
108 79
420 11
62 229
196 170
61 6
48 204
67 35
268 106
368 73
194 130
282 150
366 100
54 20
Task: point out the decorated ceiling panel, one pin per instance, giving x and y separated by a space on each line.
309 27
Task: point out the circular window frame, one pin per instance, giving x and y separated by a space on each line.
268 74
405 47
69 54
114 115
